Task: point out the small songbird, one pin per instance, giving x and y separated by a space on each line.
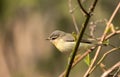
65 42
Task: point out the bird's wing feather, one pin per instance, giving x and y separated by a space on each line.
86 41
69 38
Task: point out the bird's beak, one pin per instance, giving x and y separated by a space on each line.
47 38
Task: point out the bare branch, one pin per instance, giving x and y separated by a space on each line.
81 57
83 28
82 8
92 29
113 15
103 57
71 10
116 73
101 40
112 34
103 67
105 74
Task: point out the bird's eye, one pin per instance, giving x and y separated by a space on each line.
53 38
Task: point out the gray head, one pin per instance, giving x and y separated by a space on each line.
56 34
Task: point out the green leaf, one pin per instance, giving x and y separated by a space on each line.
106 42
74 35
87 60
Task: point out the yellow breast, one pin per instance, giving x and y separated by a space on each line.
64 46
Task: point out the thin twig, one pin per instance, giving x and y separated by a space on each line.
103 57
112 34
92 8
105 74
83 28
116 73
101 40
103 67
113 15
71 10
76 47
81 57
112 29
92 63
82 8
92 29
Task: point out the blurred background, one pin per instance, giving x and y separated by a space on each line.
24 26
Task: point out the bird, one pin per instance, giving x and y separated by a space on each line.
65 42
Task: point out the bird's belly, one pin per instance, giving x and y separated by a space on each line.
65 47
